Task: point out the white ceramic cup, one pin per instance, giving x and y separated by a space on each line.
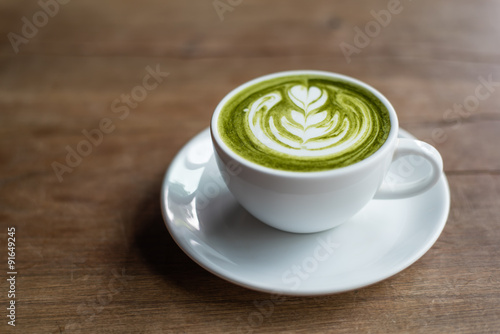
306 202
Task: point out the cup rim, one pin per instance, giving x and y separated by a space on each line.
217 140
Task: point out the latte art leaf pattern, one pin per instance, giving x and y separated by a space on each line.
312 126
304 123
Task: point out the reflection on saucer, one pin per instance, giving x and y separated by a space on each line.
205 220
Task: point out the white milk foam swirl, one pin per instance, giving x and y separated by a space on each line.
312 128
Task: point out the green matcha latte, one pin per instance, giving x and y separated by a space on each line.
304 123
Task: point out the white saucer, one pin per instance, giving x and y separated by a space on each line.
209 225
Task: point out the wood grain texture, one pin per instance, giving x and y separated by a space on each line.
93 255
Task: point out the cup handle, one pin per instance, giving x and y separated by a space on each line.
406 148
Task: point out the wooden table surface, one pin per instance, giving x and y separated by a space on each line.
92 253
